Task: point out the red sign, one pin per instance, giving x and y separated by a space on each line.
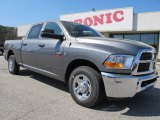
106 18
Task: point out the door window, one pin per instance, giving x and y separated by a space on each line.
54 26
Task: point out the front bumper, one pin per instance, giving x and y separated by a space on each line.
125 86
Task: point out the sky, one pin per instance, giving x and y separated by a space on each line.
20 12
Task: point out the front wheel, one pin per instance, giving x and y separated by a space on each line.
86 86
13 67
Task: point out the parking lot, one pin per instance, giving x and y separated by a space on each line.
31 96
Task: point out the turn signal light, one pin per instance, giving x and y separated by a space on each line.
113 65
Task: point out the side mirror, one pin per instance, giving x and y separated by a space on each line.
48 33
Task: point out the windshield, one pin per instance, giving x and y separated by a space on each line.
78 30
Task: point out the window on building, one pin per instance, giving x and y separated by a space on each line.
118 36
132 37
148 38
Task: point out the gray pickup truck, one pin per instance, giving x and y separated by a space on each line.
94 67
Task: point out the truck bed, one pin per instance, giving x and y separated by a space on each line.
15 46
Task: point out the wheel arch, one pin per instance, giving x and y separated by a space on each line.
76 63
10 52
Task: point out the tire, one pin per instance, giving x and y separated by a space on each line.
86 86
13 67
1 52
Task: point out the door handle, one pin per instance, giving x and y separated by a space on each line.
24 44
41 45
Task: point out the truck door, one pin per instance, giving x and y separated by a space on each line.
51 52
30 47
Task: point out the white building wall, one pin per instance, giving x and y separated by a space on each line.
22 30
147 21
108 19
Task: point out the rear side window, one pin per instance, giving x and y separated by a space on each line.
35 31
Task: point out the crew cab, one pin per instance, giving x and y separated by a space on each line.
93 66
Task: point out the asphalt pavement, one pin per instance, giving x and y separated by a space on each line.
31 96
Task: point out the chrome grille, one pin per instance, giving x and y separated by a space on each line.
146 56
143 67
145 62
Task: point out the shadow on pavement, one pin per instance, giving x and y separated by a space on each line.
44 79
142 105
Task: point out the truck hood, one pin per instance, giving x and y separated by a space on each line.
114 46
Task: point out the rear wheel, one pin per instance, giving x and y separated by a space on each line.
1 52
13 67
86 86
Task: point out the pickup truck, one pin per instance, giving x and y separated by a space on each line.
94 67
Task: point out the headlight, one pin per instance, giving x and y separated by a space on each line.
119 62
